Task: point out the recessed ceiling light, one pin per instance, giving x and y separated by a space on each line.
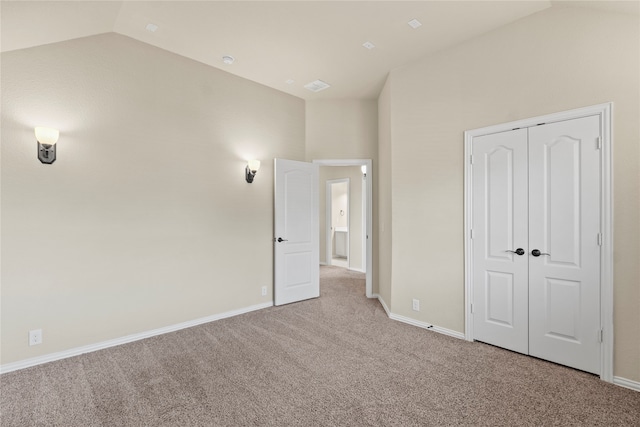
414 23
290 81
369 45
317 86
227 59
152 27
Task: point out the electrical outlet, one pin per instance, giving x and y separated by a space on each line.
264 291
35 337
416 304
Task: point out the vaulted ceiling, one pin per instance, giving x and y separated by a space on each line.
281 44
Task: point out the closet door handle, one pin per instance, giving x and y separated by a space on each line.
280 239
537 253
518 251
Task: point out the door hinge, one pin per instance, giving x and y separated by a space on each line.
598 143
471 234
471 159
599 239
472 308
600 335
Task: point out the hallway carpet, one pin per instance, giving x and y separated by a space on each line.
332 361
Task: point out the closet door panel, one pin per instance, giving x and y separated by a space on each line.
500 226
564 222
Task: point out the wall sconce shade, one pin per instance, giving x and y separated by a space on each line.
47 138
251 170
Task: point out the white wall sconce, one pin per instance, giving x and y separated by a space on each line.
251 170
47 138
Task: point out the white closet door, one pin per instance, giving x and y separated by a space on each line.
564 222
538 189
500 225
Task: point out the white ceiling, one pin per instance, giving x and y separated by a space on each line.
273 41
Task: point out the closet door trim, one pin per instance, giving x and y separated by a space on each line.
604 112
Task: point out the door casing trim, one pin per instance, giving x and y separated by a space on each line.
605 112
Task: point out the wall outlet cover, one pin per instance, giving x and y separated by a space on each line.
35 337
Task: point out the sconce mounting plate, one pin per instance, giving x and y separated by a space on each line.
249 174
46 153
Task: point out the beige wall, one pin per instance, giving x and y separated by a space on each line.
145 220
339 204
556 60
346 129
354 174
341 129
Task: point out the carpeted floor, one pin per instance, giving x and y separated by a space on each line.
333 361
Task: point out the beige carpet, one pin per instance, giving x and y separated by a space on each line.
332 361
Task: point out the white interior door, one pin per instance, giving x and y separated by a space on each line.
564 225
500 224
296 245
536 191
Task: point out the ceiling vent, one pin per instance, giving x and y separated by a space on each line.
317 86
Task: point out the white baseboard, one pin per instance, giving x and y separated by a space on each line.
8 367
418 323
428 326
384 304
623 382
359 270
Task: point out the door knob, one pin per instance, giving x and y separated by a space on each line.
280 239
518 251
537 253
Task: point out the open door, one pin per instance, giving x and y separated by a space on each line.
296 240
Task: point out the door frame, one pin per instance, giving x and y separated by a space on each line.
605 112
329 216
368 226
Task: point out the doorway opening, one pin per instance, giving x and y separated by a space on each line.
353 239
